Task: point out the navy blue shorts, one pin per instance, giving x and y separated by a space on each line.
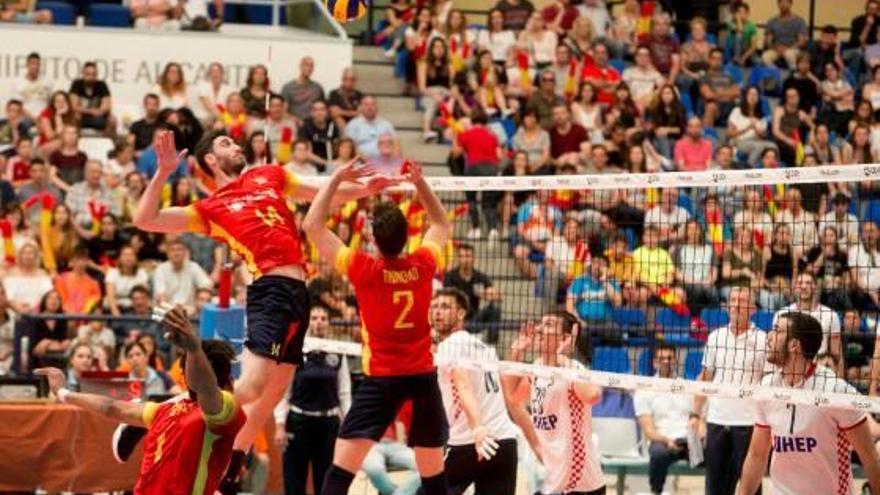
277 318
378 399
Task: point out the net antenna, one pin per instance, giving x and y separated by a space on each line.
267 99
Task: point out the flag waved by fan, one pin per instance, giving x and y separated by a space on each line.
347 10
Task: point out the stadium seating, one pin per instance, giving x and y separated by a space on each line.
96 148
612 359
693 364
763 319
645 365
109 15
62 12
715 317
629 317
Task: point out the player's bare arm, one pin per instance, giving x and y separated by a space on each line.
148 216
756 461
307 191
126 412
199 374
440 227
862 442
515 390
484 443
315 223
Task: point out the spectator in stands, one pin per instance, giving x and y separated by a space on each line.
516 13
559 16
147 163
256 150
806 83
825 50
366 128
61 240
483 296
91 195
120 164
597 13
51 340
741 42
580 39
389 160
742 264
233 119
482 153
864 262
695 54
666 119
41 181
863 28
18 166
532 140
779 270
542 101
141 307
329 289
719 91
139 369
434 80
840 218
729 422
653 268
142 130
301 92
346 151
24 12
587 112
540 42
697 267
153 14
80 293
785 36
693 152
829 263
321 133
621 35
213 92
754 219
68 160
256 88
52 121
82 359
13 126
747 126
668 218
8 336
171 87
487 81
592 295
90 99
104 247
642 78
604 78
536 221
176 280
806 300
664 47
801 222
299 162
566 138
496 38
621 115
32 89
278 125
857 149
345 100
663 419
121 279
26 283
838 97
789 121
820 146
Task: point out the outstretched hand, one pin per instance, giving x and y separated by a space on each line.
525 338
167 156
54 377
353 171
180 330
412 171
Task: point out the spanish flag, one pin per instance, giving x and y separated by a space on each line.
8 246
522 61
571 80
715 230
447 119
357 234
643 25
458 54
673 301
284 145
770 194
581 258
799 153
234 123
347 10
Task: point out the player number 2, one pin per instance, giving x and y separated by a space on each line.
407 299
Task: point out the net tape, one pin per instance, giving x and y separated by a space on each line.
634 383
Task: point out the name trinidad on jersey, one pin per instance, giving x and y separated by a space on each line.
539 394
790 444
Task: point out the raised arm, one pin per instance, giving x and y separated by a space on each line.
308 191
126 412
440 228
862 441
199 374
148 216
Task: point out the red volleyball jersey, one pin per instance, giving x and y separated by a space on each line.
394 297
186 451
251 215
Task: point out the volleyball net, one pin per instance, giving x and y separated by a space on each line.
651 262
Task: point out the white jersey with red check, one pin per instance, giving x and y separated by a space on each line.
810 451
563 423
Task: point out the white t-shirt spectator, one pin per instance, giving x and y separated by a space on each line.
867 266
498 43
847 228
597 14
827 318
642 82
734 360
670 412
561 253
124 283
34 95
27 291
206 89
694 262
104 338
673 220
179 287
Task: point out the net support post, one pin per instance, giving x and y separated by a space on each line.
225 324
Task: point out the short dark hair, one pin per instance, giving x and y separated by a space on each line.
389 228
321 306
829 29
716 50
301 141
479 117
568 320
151 96
90 63
13 101
143 289
79 252
806 330
131 345
33 56
465 247
662 346
276 96
461 299
38 161
220 355
740 5
205 146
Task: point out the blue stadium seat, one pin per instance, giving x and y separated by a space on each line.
687 103
693 364
629 317
769 79
109 15
873 213
735 72
670 320
687 203
62 12
645 365
611 359
618 64
715 317
763 319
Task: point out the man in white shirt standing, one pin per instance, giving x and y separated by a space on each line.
811 445
482 438
734 355
806 300
663 419
31 89
177 280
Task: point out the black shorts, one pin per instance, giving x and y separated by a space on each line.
277 318
495 476
378 399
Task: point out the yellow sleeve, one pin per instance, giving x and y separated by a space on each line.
196 223
436 253
227 412
291 183
149 413
343 260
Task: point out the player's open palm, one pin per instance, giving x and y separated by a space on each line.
525 338
354 171
167 156
54 377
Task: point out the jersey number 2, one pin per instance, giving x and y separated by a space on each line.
407 299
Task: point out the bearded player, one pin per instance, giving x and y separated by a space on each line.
393 291
251 215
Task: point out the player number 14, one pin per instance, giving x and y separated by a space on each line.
406 298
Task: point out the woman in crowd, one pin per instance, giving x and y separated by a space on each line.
532 140
580 39
346 151
21 230
587 112
460 41
255 91
50 338
666 119
183 192
121 279
487 83
154 360
171 87
622 111
857 150
434 82
497 40
104 247
754 219
747 126
821 148
213 91
398 15
68 159
132 190
838 99
416 40
741 264
789 122
82 359
26 283
830 265
697 267
256 151
139 369
519 167
621 36
51 121
539 41
694 57
62 239
779 270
